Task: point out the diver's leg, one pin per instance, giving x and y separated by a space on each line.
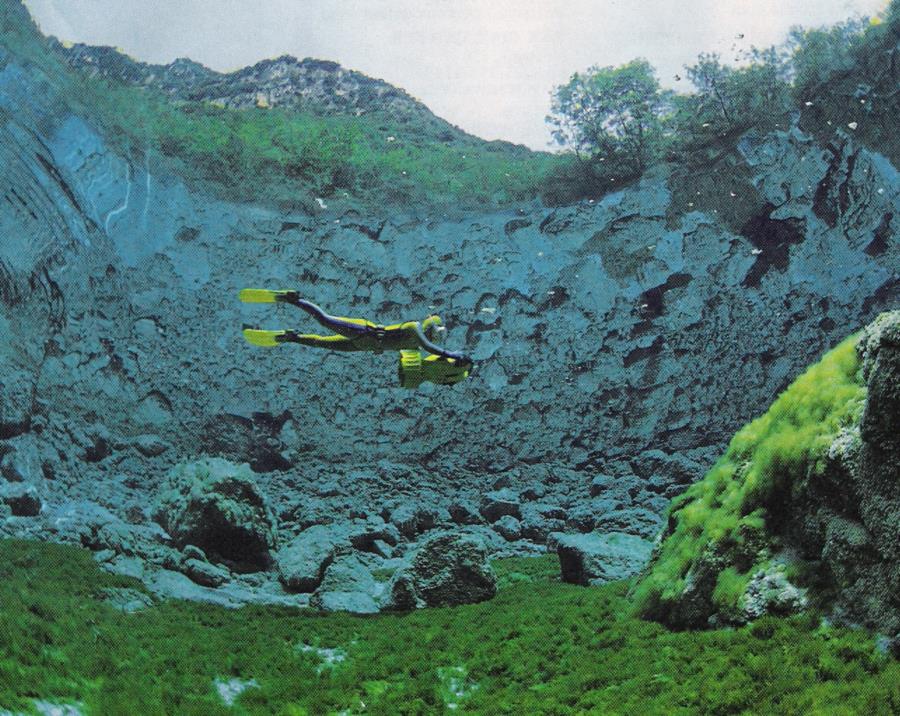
348 327
260 337
334 343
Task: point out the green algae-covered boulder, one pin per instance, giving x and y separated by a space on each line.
216 505
802 509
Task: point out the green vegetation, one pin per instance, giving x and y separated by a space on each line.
744 496
539 647
611 114
287 157
617 121
847 75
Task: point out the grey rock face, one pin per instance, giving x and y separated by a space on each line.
217 506
581 320
508 527
412 519
204 573
598 558
465 513
448 569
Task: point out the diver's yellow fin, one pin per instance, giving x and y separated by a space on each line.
258 337
262 295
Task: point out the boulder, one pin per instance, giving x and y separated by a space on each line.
347 585
498 503
598 558
637 521
465 512
508 527
448 569
539 520
217 505
302 562
412 519
204 573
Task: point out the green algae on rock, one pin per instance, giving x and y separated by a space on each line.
809 489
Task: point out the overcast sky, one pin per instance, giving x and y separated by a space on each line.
488 66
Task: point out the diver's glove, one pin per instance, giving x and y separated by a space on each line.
415 370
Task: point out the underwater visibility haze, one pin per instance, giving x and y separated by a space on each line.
313 403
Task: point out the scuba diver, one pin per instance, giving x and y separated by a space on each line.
356 334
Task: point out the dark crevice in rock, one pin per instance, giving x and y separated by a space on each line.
885 294
556 297
773 238
14 429
639 354
57 177
40 280
515 224
547 219
372 233
651 303
10 293
187 233
98 451
479 327
823 207
879 242
844 189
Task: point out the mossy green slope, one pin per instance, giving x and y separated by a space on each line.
732 514
539 647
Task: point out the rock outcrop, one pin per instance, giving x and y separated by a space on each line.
591 559
824 526
217 506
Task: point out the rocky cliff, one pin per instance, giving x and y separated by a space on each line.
619 343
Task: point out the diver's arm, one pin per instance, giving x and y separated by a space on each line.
437 350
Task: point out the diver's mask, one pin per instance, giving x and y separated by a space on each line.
415 370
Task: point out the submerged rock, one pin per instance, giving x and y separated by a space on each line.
500 503
834 501
448 569
216 505
23 500
302 562
597 558
348 585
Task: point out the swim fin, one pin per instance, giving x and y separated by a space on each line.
259 337
264 295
